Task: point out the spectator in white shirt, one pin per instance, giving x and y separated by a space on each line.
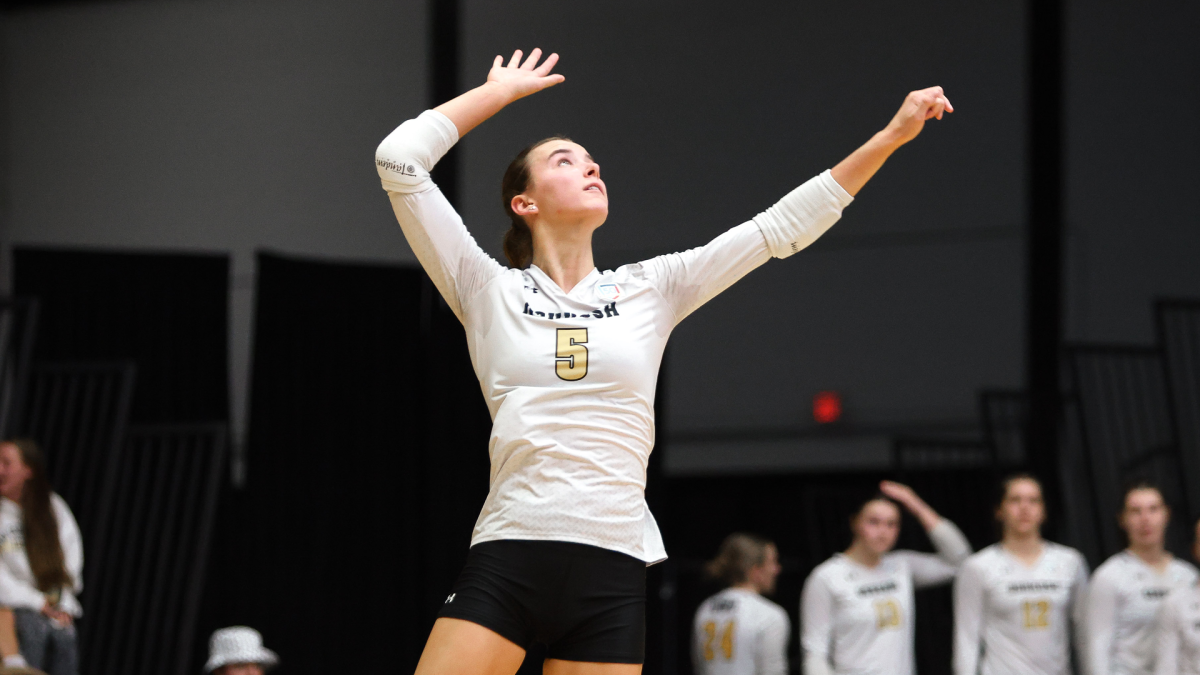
41 562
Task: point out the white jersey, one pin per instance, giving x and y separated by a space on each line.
18 586
859 620
1178 650
1013 618
1123 599
739 632
569 377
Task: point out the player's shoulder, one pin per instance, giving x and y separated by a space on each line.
1183 572
985 558
831 570
1116 567
1066 554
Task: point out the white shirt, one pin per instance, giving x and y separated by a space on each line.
1011 618
859 620
1123 599
1179 634
739 632
569 377
18 586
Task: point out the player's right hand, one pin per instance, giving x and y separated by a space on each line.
522 79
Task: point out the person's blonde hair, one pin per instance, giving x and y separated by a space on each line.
739 553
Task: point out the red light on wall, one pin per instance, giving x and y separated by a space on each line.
827 407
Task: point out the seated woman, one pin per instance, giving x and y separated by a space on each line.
41 561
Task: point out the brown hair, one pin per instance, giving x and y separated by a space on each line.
39 525
1137 484
518 241
1008 481
739 553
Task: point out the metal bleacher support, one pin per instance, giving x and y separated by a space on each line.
143 606
1179 337
18 327
1126 431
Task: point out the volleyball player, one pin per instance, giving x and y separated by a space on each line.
738 631
1178 630
1017 603
567 357
856 609
1127 591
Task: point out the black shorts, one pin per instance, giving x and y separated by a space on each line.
584 603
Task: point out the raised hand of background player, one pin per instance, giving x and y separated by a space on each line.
918 107
909 499
523 79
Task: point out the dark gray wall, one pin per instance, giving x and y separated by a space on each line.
209 125
703 115
1133 138
233 125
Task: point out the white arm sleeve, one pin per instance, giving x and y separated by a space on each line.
940 568
1166 661
72 547
1079 595
1100 623
16 594
772 647
688 280
816 625
450 256
968 620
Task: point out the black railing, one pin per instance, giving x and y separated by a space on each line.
1179 336
1126 430
142 608
18 327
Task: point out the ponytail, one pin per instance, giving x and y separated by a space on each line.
518 241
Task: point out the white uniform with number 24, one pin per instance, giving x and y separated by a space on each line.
739 632
569 378
1013 618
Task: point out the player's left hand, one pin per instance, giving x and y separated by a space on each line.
918 107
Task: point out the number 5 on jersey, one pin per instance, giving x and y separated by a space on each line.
571 357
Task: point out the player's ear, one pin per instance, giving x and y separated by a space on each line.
523 205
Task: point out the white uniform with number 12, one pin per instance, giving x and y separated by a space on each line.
1013 618
569 378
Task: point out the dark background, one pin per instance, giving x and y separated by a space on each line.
203 133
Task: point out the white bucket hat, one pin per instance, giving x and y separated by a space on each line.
238 644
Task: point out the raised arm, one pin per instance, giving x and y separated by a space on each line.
688 280
951 546
436 233
853 172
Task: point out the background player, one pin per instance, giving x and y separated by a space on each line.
567 358
1017 603
738 631
1127 591
1178 649
856 610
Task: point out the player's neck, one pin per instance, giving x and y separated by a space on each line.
566 260
1025 547
747 586
863 555
1153 555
